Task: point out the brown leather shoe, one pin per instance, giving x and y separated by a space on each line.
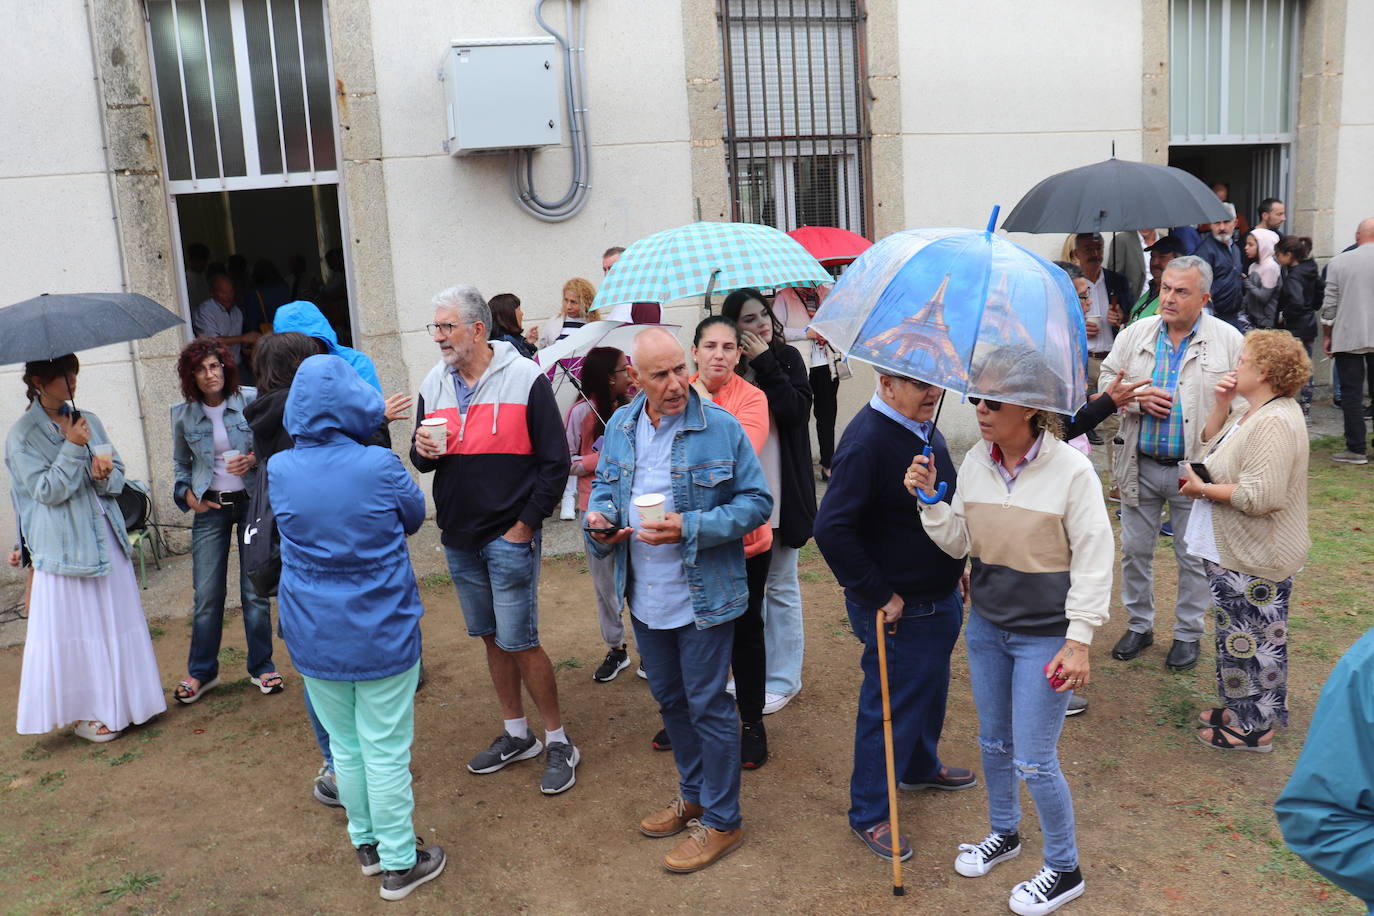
672 819
703 846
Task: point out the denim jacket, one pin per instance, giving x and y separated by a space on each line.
193 444
718 488
61 506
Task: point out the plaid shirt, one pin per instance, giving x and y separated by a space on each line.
1163 439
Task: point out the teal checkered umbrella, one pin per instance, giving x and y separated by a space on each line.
680 263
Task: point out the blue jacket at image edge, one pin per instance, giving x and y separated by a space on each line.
349 606
718 488
1326 811
193 444
60 505
306 318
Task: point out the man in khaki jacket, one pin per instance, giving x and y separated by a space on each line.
1184 352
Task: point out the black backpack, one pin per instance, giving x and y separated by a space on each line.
261 554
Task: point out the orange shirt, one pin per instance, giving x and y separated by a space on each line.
749 406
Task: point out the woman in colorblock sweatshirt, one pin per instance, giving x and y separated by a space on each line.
1029 513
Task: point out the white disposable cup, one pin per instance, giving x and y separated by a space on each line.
231 454
650 507
104 453
436 430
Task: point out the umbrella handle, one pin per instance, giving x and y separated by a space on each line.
940 490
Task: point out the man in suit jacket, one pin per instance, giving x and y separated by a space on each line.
1127 256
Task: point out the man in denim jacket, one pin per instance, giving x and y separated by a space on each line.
684 579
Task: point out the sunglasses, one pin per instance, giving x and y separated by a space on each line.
992 405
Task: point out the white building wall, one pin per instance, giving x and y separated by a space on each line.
454 220
57 231
1355 149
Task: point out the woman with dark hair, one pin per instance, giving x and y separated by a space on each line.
1300 297
605 386
214 464
777 369
716 352
507 322
87 656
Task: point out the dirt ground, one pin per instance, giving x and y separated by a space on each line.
207 809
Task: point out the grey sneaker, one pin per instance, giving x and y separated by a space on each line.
327 790
1077 705
505 750
1350 458
368 859
429 864
560 768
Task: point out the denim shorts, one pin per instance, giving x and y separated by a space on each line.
498 590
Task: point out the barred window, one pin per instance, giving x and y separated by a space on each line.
796 126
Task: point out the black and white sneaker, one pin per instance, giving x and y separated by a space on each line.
505 750
1046 892
429 864
560 768
368 859
326 790
617 660
976 860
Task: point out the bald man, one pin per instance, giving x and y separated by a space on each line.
679 560
1348 329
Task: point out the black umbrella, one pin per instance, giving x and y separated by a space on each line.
52 325
1115 196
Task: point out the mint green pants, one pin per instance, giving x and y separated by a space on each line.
370 725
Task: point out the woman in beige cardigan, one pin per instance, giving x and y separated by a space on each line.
1250 526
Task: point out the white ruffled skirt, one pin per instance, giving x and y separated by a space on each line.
88 655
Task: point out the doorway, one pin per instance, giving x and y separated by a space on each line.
1251 172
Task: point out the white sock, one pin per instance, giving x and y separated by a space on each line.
555 737
518 728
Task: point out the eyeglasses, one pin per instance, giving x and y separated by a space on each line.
620 370
205 368
445 327
991 405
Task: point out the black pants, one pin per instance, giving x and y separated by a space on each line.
825 390
1352 369
749 661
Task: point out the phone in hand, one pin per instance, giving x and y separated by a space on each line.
1201 471
1056 679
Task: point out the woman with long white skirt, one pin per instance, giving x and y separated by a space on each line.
88 657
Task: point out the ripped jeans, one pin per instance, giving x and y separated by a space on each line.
1019 721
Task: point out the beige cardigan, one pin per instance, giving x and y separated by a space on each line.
1263 532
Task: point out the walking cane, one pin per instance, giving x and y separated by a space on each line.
897 889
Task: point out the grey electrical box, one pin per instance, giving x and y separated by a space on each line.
501 93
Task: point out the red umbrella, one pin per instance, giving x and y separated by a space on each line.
830 245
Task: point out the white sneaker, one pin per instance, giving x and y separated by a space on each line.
772 702
976 860
730 686
568 511
1046 892
1350 458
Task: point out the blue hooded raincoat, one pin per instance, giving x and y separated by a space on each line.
349 606
304 318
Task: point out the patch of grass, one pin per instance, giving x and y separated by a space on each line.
230 655
813 575
230 688
809 551
156 629
99 752
842 627
124 758
53 780
148 734
36 752
434 580
570 662
134 882
1177 703
228 704
1109 763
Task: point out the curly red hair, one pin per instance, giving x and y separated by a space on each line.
195 353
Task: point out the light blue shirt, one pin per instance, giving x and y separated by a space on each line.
658 594
462 391
921 428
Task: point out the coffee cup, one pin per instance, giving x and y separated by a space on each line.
650 507
104 453
436 430
230 454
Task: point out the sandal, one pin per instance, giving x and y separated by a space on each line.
187 693
1249 741
1214 717
268 683
95 732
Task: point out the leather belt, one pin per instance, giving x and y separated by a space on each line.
225 497
1100 354
1158 460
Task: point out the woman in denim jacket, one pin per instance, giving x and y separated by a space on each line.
87 657
212 453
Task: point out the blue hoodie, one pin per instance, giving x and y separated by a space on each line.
350 609
304 318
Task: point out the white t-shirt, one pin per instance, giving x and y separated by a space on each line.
1102 341
222 479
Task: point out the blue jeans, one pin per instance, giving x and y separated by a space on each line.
498 590
782 622
1019 721
321 735
918 681
211 534
687 669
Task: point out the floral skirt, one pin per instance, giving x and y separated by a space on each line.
1252 645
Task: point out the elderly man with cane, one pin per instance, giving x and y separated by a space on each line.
869 530
677 488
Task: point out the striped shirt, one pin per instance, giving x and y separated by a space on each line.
1163 439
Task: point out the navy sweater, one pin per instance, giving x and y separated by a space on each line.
868 527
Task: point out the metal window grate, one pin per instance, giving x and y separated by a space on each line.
796 126
243 92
